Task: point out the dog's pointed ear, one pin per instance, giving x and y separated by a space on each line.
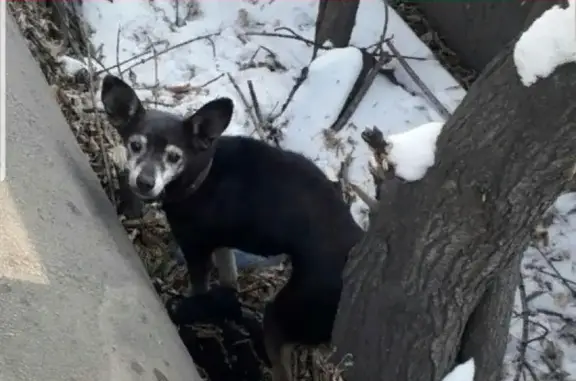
120 101
210 121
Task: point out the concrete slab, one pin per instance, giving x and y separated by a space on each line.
75 302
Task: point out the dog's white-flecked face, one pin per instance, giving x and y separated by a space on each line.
150 169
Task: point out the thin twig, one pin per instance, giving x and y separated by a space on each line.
442 110
155 89
177 13
368 80
365 197
99 62
144 60
211 81
251 60
555 314
560 277
259 131
524 341
213 45
255 104
299 81
346 184
118 51
413 58
299 37
287 36
531 371
139 55
542 336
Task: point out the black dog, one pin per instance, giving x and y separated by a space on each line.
229 191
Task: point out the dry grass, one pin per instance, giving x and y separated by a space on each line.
150 234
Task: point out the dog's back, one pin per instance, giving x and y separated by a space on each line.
268 201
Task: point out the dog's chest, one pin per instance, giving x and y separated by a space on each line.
215 214
228 223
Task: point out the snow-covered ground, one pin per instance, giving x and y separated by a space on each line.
177 69
239 46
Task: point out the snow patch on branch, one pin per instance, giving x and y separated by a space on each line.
413 152
462 372
548 43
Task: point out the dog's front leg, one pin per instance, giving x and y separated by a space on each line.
199 264
278 349
225 262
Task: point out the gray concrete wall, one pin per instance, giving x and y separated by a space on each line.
75 302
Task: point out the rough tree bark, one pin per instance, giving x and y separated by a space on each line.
490 320
421 286
335 21
478 31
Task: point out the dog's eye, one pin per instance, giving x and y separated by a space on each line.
173 157
135 146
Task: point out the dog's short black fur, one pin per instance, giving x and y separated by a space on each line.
256 198
268 201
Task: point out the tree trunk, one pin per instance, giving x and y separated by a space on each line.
418 283
478 31
491 319
335 21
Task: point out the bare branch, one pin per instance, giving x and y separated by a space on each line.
521 359
211 81
248 109
560 277
442 110
255 104
299 81
156 86
383 57
146 51
118 52
293 36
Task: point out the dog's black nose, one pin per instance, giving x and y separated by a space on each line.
145 183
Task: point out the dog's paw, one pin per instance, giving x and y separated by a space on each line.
226 302
219 304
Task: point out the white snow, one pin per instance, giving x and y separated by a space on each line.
413 152
462 372
71 65
237 47
192 74
316 106
548 43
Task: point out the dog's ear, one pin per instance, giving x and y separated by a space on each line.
210 121
120 101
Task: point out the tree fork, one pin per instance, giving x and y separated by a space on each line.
491 319
438 244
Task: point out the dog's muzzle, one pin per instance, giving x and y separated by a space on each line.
146 183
